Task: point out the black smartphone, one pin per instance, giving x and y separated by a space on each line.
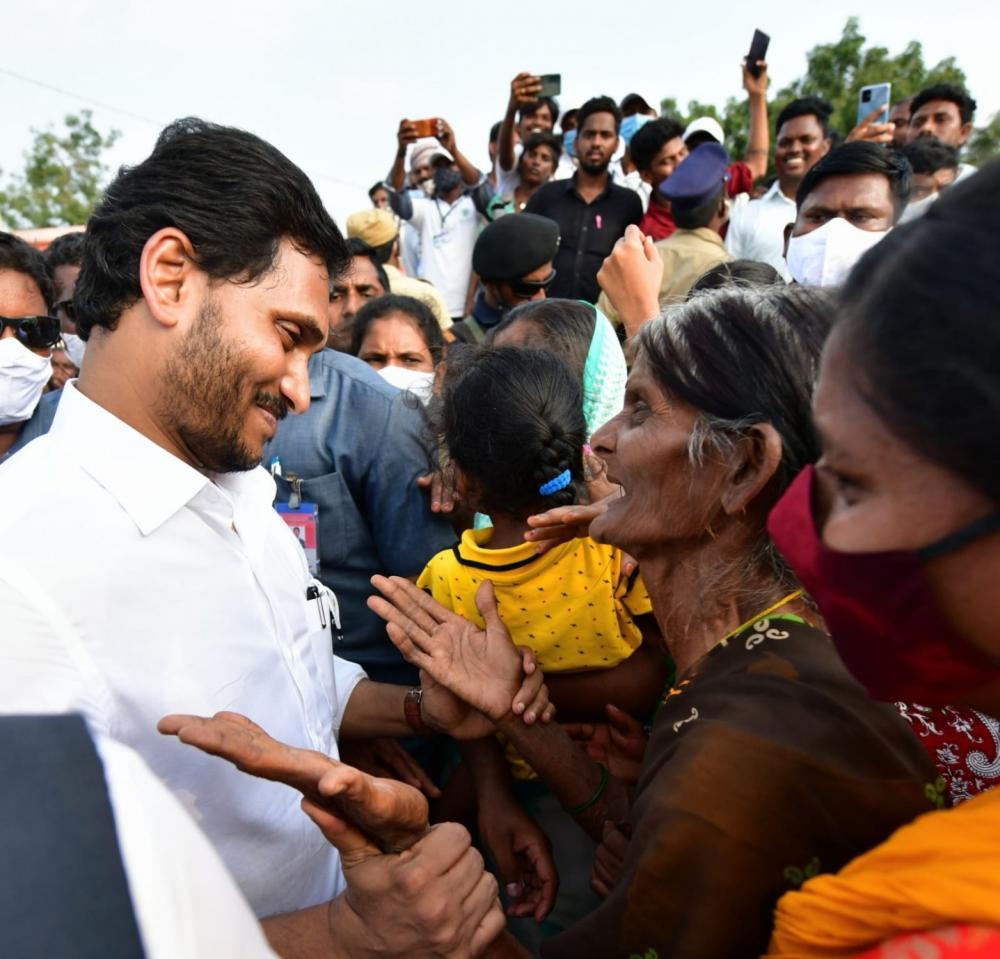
551 84
758 51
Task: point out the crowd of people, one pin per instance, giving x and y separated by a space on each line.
588 557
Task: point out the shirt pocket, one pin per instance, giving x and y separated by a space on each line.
340 522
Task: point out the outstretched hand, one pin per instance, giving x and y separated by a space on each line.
360 814
631 277
480 666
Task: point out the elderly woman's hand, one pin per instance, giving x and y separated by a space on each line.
631 277
481 667
391 813
441 484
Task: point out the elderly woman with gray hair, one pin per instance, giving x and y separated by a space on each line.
767 762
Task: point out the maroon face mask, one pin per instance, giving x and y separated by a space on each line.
880 609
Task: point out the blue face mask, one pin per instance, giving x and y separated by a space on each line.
631 125
569 138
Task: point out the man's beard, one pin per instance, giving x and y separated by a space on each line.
594 169
204 397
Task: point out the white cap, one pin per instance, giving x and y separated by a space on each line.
426 151
708 125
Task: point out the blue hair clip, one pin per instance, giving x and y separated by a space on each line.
556 483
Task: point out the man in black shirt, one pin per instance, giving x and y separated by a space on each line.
591 211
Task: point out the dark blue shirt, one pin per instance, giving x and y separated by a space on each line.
359 449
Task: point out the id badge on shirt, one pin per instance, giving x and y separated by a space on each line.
441 239
303 521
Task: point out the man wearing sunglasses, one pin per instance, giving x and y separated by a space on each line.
513 259
27 334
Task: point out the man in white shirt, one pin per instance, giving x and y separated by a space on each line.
447 221
176 587
757 229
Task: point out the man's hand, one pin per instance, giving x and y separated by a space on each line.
384 757
481 667
432 901
390 815
446 136
441 484
524 88
870 131
405 135
755 86
631 277
523 856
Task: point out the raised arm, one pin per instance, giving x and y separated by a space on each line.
446 137
405 135
482 667
759 142
524 88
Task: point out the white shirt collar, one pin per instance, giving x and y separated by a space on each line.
774 192
149 483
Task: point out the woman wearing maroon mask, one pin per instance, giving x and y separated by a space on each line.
896 533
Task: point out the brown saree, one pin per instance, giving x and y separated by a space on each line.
767 764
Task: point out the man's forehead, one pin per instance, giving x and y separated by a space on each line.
361 271
848 190
799 126
936 106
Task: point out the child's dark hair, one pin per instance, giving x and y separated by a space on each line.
513 421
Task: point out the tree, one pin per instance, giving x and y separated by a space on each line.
63 175
837 72
984 144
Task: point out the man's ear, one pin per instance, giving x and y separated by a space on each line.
964 133
755 461
788 235
172 284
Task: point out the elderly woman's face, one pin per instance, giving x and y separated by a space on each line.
646 451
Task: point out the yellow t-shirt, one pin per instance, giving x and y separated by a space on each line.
571 606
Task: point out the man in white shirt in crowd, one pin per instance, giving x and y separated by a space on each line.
757 229
176 587
447 220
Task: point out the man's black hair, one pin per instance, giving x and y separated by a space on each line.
357 247
570 114
949 92
65 250
929 154
599 105
550 140
651 138
232 194
861 157
495 131
375 188
806 107
20 257
530 109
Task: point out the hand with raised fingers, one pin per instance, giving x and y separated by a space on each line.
389 814
631 277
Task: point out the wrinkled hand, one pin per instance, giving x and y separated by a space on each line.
384 757
755 86
619 743
390 815
442 486
595 475
523 855
609 861
871 132
480 666
631 277
406 134
525 88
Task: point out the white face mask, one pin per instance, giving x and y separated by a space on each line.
23 376
825 256
75 348
418 382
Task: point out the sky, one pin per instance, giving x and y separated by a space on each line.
327 83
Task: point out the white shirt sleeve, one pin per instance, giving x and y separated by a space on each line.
346 676
735 240
185 901
45 667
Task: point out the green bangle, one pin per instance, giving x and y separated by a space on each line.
601 786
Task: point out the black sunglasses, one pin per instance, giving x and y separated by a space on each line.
35 332
531 287
65 306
